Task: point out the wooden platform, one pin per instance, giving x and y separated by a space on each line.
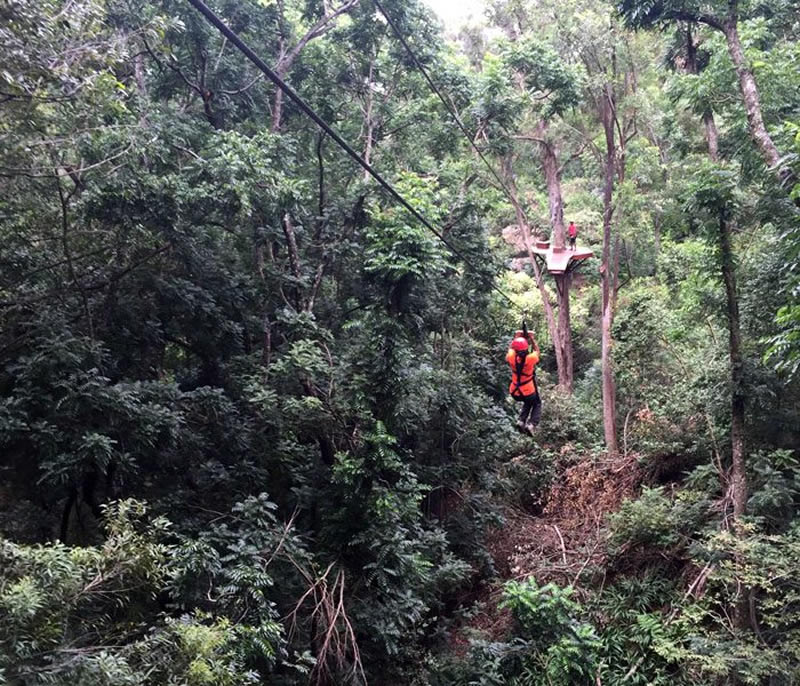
560 261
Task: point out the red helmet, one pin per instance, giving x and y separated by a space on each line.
519 344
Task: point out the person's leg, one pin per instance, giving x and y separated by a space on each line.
520 423
527 405
536 409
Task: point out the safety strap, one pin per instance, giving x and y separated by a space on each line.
521 380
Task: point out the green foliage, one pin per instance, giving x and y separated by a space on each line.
774 488
204 306
98 614
546 77
562 649
550 645
784 347
708 645
67 613
655 520
568 418
636 633
397 245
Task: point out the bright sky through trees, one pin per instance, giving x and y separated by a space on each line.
455 12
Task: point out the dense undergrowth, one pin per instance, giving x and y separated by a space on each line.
253 418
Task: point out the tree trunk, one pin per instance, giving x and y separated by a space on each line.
566 370
555 200
752 104
656 241
277 109
739 476
369 122
712 137
294 259
288 56
522 222
741 611
608 278
563 339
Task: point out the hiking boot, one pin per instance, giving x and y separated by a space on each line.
530 428
521 425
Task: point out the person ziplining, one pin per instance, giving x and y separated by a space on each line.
523 356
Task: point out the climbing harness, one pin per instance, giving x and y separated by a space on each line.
520 379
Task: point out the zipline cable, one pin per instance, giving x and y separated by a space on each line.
212 18
448 106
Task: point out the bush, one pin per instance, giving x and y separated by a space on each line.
655 520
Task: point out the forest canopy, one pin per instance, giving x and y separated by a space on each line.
255 414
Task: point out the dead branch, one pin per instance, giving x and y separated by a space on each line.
336 649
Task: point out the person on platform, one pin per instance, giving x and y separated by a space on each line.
572 232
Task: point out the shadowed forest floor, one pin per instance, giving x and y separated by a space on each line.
563 540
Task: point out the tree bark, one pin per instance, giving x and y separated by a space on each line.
739 475
710 126
277 109
369 121
712 138
294 258
747 85
287 57
608 279
752 104
742 610
566 370
522 222
555 199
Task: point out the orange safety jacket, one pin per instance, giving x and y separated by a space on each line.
522 373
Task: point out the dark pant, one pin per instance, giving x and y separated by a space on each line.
572 242
531 409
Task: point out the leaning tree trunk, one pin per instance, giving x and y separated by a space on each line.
608 280
563 341
277 109
752 104
522 222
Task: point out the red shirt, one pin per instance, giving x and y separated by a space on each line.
573 230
